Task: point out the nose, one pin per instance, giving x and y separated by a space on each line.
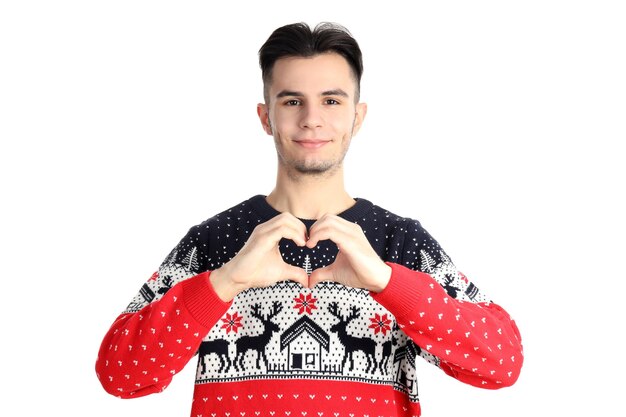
311 117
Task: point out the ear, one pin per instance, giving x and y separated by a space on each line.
264 117
359 116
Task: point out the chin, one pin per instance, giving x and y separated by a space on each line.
312 171
315 169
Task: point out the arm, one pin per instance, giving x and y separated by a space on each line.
476 343
163 326
142 351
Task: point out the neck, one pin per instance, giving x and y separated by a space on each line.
310 196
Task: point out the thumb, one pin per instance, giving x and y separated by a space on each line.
321 274
295 273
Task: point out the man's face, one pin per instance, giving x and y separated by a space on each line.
312 113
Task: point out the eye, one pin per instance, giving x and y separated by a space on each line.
292 102
331 101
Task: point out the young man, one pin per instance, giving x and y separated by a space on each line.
307 301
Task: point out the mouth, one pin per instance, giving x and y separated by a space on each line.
312 143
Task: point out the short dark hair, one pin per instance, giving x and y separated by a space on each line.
298 40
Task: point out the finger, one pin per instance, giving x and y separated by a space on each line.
340 231
287 232
286 226
289 220
296 274
321 274
316 231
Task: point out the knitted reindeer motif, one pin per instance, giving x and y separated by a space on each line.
450 289
220 348
387 348
167 284
258 343
351 343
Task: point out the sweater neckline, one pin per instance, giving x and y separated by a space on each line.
360 207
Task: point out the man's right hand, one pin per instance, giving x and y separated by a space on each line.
259 262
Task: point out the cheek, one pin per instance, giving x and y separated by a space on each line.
342 122
343 127
283 123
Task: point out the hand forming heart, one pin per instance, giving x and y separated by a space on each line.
260 264
357 264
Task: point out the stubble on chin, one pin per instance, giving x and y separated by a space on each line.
315 168
298 170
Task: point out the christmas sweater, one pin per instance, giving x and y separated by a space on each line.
286 350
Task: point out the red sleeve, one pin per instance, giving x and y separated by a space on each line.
142 351
476 343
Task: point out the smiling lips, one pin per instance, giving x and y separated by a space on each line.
312 143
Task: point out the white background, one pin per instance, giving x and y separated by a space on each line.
498 125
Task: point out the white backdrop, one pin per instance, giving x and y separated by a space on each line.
496 124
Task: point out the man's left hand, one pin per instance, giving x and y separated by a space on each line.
357 264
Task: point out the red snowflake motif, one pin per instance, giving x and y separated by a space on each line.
154 276
380 324
305 303
232 322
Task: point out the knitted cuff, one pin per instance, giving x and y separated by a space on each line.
202 301
403 291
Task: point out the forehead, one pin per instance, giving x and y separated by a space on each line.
313 74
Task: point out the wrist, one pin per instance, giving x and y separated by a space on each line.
383 275
223 285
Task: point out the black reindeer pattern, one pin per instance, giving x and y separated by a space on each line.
258 343
218 347
388 347
450 289
351 343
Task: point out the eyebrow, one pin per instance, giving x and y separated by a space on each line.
335 92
